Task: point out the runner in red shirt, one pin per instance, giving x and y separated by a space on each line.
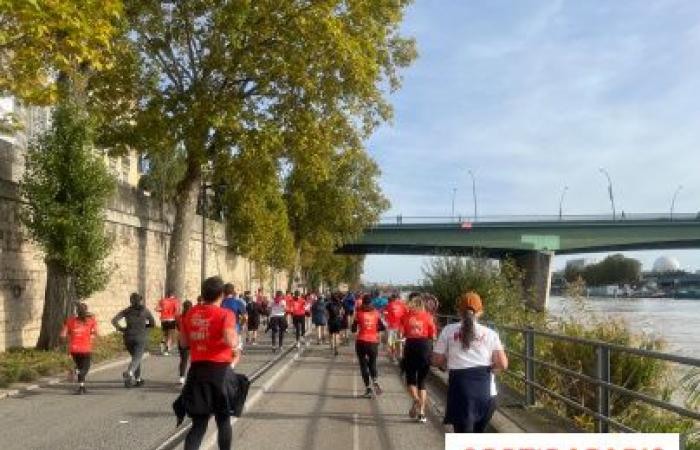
394 311
368 325
209 331
299 317
169 308
418 327
80 331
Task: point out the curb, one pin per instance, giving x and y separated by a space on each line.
16 389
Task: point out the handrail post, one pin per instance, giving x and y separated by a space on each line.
529 354
602 392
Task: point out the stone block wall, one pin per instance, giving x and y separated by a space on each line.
141 231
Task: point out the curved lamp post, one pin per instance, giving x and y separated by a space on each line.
673 200
561 199
471 174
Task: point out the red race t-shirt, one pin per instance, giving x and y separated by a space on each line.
298 306
395 310
368 326
418 325
168 308
80 334
204 326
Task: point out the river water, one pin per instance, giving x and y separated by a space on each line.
676 321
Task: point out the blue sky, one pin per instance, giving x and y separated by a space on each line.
536 95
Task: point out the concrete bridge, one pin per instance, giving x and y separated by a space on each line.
530 241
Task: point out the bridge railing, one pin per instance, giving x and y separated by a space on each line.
664 217
602 416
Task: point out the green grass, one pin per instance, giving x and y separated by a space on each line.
28 364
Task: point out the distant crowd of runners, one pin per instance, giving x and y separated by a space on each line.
211 333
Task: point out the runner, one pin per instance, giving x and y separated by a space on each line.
299 318
138 320
253 310
319 319
183 351
237 306
349 303
335 318
278 321
395 310
210 333
418 327
168 308
80 330
471 352
368 325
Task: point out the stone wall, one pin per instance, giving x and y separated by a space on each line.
141 237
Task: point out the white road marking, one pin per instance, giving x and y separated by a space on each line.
355 419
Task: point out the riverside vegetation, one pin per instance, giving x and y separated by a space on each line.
503 295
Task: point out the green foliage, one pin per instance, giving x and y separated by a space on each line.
66 186
40 38
268 92
614 269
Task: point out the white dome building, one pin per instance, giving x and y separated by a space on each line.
666 264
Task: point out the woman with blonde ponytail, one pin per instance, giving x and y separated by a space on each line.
471 352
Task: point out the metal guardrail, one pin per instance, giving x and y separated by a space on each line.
662 217
602 379
179 435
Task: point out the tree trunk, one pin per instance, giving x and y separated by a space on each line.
185 213
58 300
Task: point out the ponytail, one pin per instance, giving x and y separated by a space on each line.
466 334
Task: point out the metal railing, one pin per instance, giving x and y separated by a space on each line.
417 220
601 380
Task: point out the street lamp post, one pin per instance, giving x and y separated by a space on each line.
473 192
561 200
610 191
673 200
454 195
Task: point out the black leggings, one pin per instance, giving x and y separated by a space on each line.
476 425
82 365
416 362
278 324
184 359
299 326
199 429
367 355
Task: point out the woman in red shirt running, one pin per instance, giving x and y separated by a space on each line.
299 317
209 331
418 327
368 325
80 330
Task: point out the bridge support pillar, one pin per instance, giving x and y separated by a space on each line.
537 277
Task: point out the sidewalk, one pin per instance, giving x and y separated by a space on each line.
108 417
318 406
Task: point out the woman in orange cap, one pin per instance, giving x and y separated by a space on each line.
471 352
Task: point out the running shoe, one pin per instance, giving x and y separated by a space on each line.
182 381
139 383
368 393
335 352
128 379
422 418
81 390
166 353
377 388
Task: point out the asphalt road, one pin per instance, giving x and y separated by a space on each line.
108 417
317 406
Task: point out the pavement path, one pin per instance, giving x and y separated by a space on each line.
318 406
108 417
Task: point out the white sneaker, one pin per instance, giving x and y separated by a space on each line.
182 381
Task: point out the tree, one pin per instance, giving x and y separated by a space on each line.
40 39
614 269
239 83
66 186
